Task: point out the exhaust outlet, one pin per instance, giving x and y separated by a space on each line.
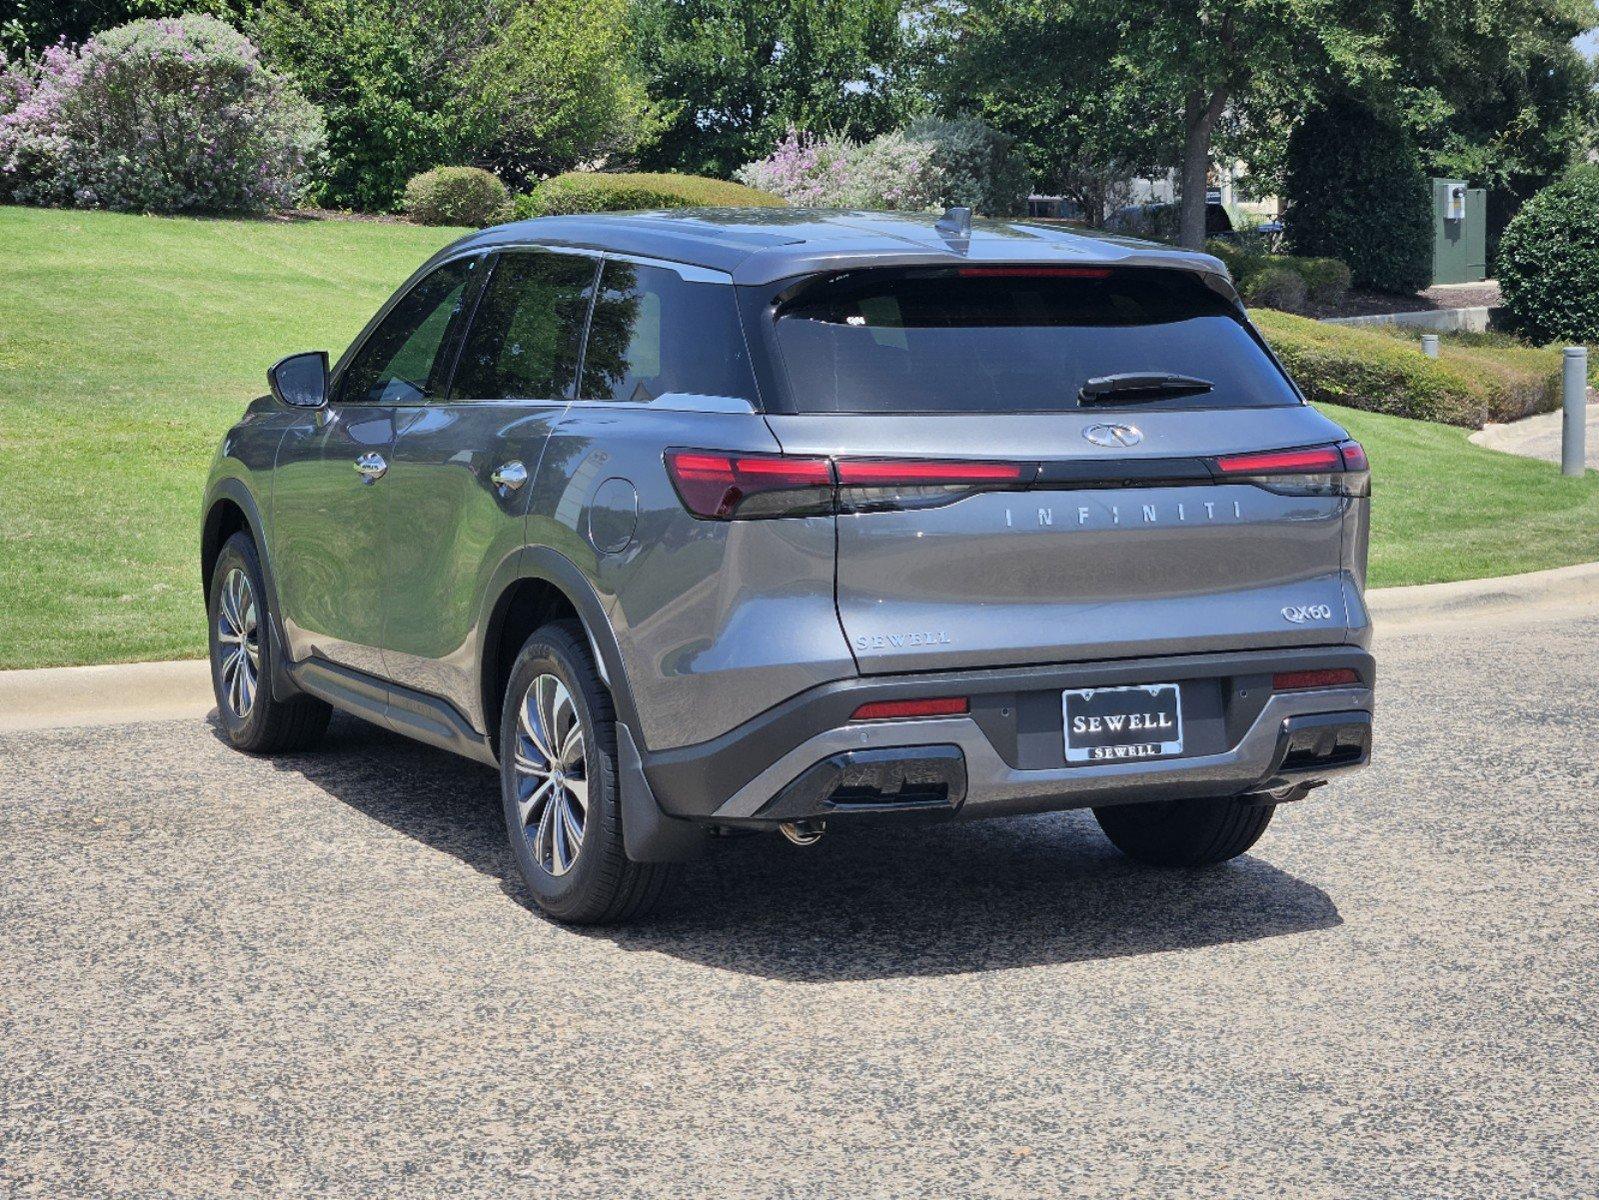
803 833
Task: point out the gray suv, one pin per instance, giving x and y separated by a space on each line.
699 522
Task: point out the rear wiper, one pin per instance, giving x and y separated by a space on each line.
1139 385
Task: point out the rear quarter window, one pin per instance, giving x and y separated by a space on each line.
1013 339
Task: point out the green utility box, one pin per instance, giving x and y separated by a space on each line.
1459 232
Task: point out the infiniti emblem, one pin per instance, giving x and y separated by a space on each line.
1113 435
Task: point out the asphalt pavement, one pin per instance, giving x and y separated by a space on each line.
226 976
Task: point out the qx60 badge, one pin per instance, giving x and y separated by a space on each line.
1300 613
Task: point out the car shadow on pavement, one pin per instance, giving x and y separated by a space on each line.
868 901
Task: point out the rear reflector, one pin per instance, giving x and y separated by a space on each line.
1283 462
724 486
1294 681
906 472
888 710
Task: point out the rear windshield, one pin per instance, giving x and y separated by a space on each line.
1015 339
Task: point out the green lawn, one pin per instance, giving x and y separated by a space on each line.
128 344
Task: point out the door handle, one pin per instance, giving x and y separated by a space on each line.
371 467
509 476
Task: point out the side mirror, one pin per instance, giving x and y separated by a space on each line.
301 380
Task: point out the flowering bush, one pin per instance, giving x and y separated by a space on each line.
893 172
929 165
165 115
808 170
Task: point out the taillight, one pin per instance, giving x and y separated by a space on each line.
722 486
891 710
1315 471
725 487
873 484
1295 681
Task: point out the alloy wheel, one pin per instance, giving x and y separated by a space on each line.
239 642
551 768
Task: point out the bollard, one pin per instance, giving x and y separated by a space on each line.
1574 428
1429 345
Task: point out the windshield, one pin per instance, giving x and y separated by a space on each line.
1015 339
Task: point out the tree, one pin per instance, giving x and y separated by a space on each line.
1357 193
1150 80
732 76
525 88
1049 76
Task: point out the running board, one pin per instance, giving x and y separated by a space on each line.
393 706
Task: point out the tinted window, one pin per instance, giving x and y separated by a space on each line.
1013 340
655 332
400 363
525 335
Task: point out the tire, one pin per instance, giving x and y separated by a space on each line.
243 661
558 772
1185 833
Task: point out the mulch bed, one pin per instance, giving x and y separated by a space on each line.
1372 304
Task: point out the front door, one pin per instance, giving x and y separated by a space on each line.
331 480
465 465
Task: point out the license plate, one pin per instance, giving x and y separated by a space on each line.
1121 724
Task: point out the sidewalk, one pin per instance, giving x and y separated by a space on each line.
1539 437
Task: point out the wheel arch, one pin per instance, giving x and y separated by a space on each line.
544 585
231 508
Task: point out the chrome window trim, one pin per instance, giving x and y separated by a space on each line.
686 271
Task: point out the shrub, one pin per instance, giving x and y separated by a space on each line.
166 115
1277 287
457 196
980 167
805 170
1357 193
1382 369
1548 265
592 191
1325 280
929 165
892 172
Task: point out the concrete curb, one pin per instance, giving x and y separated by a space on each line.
117 694
1426 602
124 693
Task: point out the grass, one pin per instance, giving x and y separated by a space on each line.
129 344
1445 509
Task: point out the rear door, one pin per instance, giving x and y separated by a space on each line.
990 516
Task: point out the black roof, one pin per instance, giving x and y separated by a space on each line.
762 245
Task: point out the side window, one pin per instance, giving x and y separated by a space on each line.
524 340
400 363
654 332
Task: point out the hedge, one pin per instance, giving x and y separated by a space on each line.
592 191
1474 381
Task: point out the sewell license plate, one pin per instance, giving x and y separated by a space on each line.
1120 724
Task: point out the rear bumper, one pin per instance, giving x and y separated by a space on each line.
805 758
